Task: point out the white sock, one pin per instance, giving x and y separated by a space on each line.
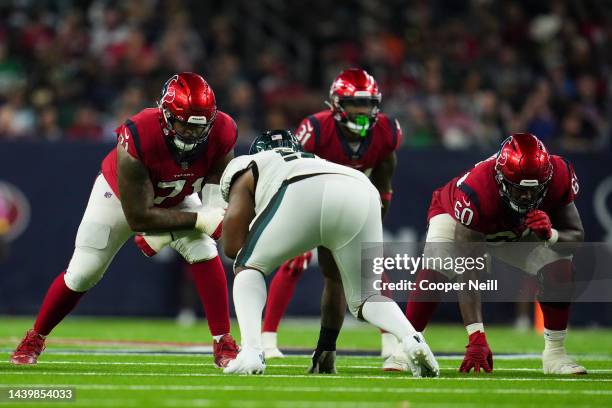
249 301
474 327
385 314
217 338
554 338
269 340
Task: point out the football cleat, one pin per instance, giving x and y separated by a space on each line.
270 346
29 349
398 361
389 344
249 361
323 362
224 350
556 361
421 360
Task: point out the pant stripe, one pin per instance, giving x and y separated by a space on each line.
260 225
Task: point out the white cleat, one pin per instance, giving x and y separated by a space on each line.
397 362
248 361
420 359
556 361
270 345
389 345
273 353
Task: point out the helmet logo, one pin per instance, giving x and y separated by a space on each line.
169 92
502 158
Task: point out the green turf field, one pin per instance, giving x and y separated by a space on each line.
136 362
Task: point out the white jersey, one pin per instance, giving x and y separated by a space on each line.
273 167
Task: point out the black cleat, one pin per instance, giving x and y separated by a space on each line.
323 362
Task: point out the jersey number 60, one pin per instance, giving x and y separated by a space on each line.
463 214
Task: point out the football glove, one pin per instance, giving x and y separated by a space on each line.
477 354
210 221
295 266
539 223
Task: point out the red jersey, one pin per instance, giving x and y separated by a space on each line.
142 137
321 134
474 199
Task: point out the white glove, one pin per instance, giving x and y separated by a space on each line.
210 221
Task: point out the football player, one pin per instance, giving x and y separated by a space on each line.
521 194
263 190
354 133
149 185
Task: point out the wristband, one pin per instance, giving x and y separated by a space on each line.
386 196
554 237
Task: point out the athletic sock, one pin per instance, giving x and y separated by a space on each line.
211 285
422 305
249 301
58 302
554 339
385 314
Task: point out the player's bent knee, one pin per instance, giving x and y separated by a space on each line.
85 269
90 257
195 248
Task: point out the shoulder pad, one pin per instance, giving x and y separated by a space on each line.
233 169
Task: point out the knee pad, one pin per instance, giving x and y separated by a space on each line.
86 268
196 247
90 260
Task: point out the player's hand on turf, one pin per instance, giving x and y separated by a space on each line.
151 244
539 223
296 265
477 354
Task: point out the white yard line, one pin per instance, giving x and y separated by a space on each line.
359 367
525 356
330 377
315 389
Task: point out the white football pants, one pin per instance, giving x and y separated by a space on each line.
335 211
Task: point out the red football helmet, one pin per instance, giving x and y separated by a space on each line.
523 171
354 99
189 109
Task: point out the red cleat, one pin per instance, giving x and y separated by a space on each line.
29 349
225 350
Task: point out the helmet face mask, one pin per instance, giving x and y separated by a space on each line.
355 100
358 114
275 139
186 136
522 198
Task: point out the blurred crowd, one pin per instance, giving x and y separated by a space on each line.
460 74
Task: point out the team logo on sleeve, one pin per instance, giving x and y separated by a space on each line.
14 211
